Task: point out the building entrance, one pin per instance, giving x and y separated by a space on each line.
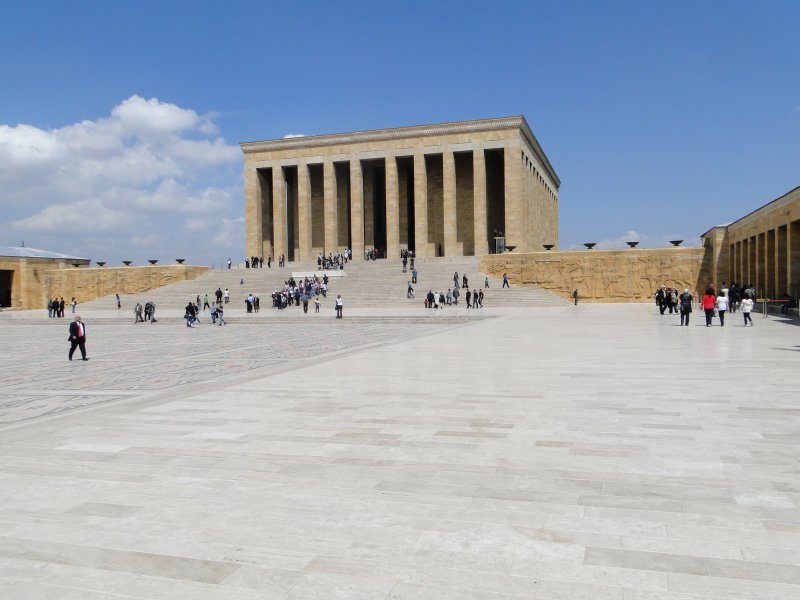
6 282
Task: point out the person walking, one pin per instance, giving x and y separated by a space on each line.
119 302
339 306
575 296
409 291
505 281
708 303
469 298
686 306
746 306
77 337
229 262
486 282
190 315
73 304
722 307
316 303
220 315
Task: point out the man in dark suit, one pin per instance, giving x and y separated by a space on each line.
77 337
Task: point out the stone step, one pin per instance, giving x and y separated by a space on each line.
363 284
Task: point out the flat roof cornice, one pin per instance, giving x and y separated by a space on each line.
310 141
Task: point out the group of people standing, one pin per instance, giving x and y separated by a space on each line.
146 312
56 306
334 260
294 293
257 262
729 299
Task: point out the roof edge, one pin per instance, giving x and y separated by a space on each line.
509 122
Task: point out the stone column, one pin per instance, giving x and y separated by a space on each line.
329 201
479 195
392 208
357 209
449 202
252 213
514 217
304 211
420 205
279 226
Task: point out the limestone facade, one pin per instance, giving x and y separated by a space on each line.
29 282
762 248
440 190
631 275
25 281
87 284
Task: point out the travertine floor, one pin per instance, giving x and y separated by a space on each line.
601 452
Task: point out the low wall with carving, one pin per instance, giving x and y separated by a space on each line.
631 275
88 284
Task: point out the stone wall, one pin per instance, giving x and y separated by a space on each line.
89 283
631 275
30 280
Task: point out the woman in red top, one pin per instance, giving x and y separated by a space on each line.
708 303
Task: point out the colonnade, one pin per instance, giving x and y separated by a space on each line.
450 202
767 257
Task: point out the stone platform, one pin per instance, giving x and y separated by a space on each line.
592 452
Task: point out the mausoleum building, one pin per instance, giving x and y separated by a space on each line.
452 189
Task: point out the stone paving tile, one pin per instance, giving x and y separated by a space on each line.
598 452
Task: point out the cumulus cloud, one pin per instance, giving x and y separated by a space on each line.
76 219
145 165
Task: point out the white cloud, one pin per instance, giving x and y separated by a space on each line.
293 135
77 218
151 118
230 235
144 166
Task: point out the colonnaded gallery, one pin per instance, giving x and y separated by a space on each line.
452 189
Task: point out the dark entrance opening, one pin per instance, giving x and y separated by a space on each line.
495 197
342 170
6 283
292 223
375 205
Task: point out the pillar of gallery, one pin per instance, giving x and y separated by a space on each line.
253 214
330 208
279 226
357 208
420 206
449 204
513 199
303 212
392 208
479 207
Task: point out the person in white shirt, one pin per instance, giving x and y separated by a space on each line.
747 306
722 307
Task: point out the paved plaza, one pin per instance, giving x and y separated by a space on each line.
598 452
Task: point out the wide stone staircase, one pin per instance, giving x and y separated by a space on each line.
362 284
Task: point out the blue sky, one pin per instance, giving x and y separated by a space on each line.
120 122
